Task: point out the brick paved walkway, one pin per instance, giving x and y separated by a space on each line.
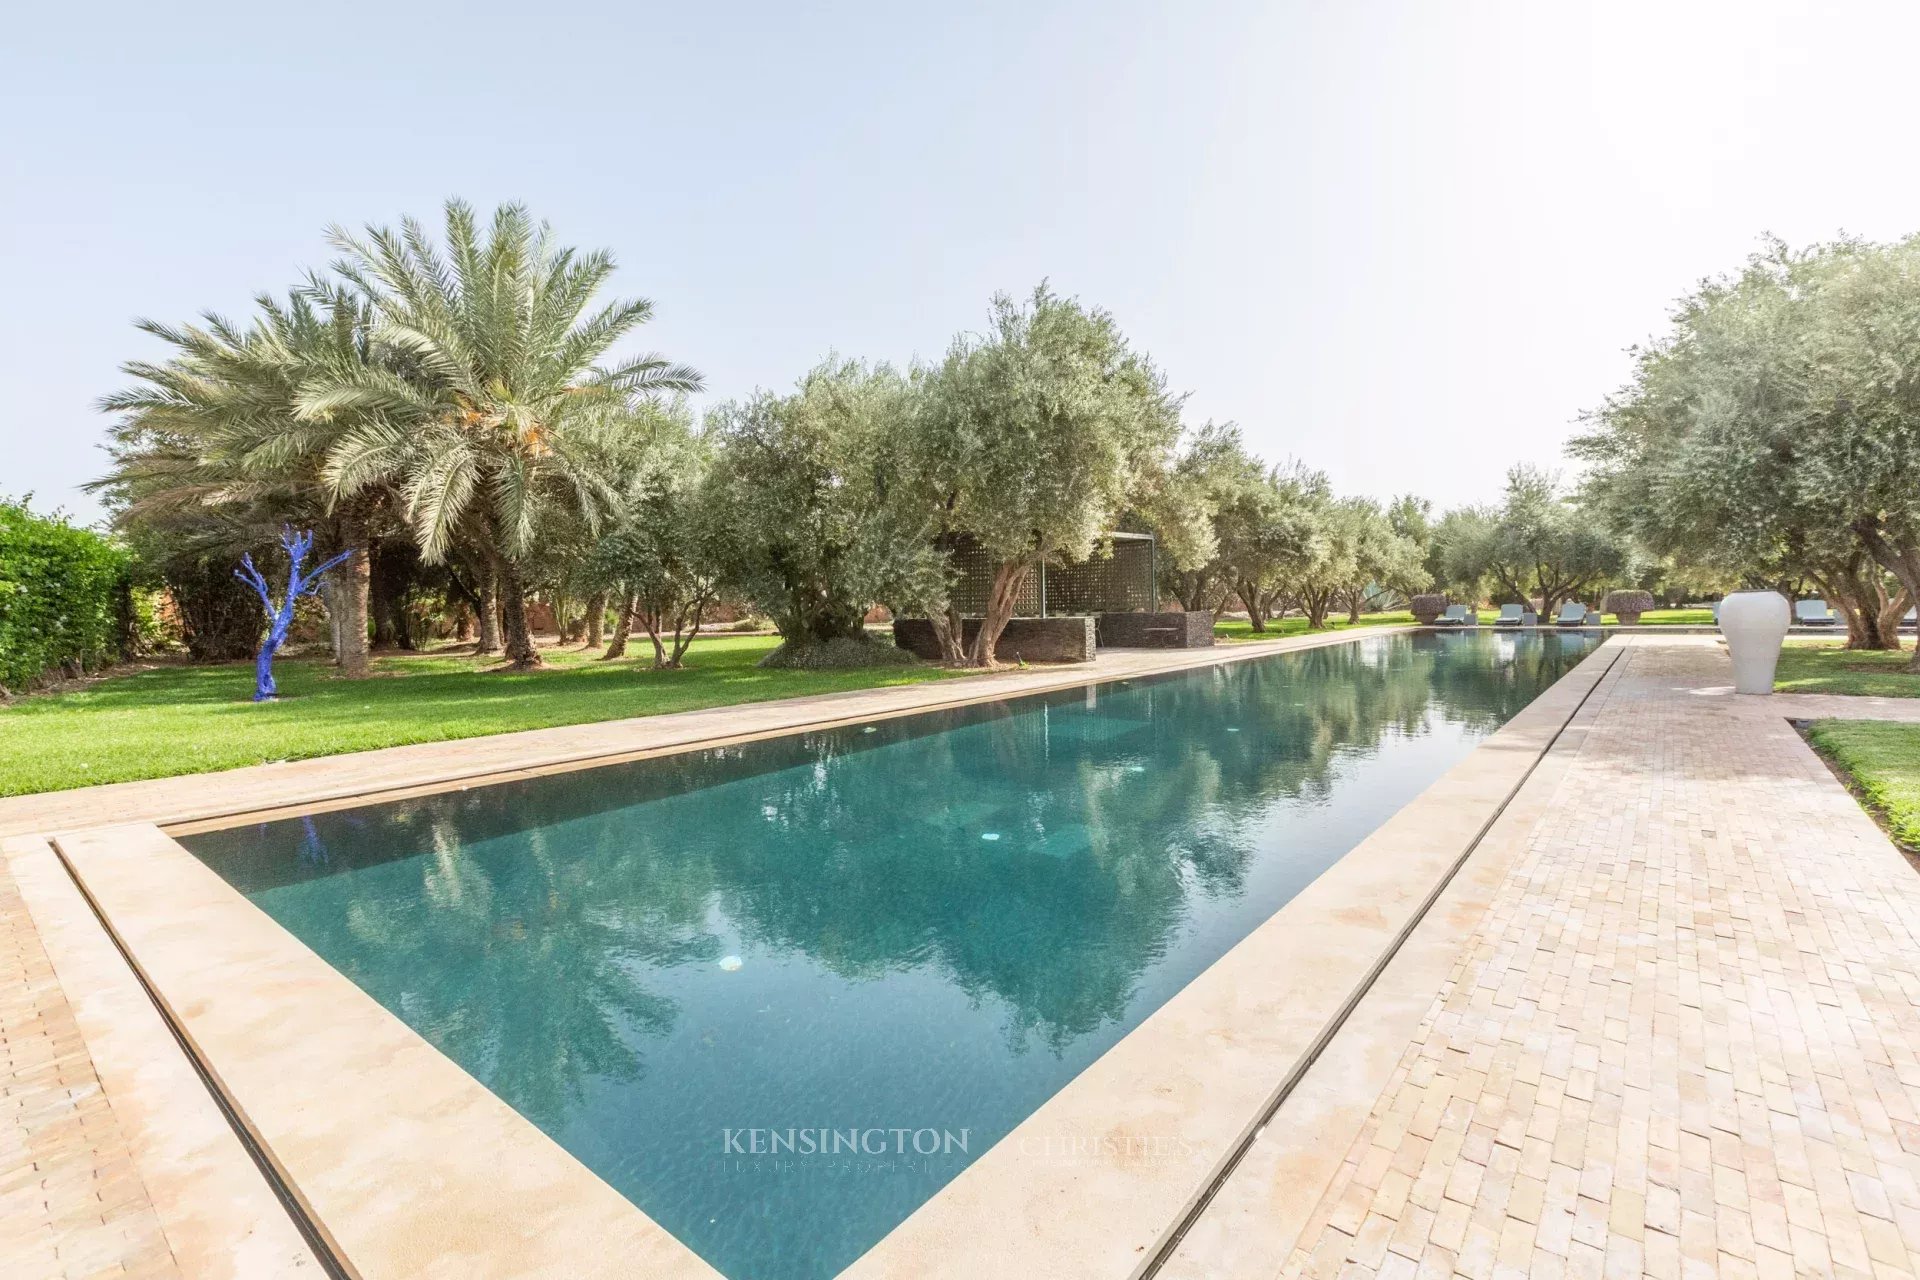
71 1203
1686 1040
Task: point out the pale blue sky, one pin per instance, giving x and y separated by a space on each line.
1406 242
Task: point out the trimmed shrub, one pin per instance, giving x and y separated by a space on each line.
1627 605
843 653
65 604
1426 608
220 620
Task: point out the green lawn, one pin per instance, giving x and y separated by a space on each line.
1882 760
1237 629
1673 618
1823 666
179 719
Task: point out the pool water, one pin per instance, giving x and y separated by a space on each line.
890 943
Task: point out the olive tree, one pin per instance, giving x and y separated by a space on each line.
1216 476
1275 532
1534 546
811 526
1774 433
1384 560
656 558
1032 440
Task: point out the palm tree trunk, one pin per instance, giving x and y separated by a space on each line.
489 614
355 577
596 619
519 648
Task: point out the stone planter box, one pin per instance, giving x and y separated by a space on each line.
1178 630
1025 639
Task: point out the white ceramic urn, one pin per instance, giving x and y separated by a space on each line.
1755 625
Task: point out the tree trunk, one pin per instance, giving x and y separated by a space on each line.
596 619
1892 613
355 576
686 629
1008 578
516 635
1903 562
1256 607
462 622
650 618
488 613
333 595
622 628
950 629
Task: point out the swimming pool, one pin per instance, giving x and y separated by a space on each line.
778 994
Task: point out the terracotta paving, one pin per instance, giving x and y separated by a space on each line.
71 1201
1685 1040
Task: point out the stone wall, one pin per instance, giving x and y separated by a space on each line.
1025 639
1156 630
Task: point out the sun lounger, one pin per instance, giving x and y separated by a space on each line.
1455 616
1813 613
1510 615
1571 614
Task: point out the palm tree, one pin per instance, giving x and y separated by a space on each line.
490 407
211 436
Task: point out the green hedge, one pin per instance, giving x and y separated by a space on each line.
63 597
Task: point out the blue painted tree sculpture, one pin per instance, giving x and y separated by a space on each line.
280 616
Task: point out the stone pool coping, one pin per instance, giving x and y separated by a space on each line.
243 994
1097 1182
401 1161
219 1215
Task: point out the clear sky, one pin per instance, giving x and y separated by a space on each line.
1405 242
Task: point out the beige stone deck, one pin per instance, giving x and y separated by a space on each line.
1676 1029
71 1202
1685 1039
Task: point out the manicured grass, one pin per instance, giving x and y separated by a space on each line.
179 719
1882 760
1824 666
1237 629
1673 618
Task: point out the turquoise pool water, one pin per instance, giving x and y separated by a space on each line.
920 929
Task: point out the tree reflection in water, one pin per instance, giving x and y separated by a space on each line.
1057 866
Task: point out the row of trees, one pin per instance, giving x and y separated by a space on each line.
1773 436
444 396
444 411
